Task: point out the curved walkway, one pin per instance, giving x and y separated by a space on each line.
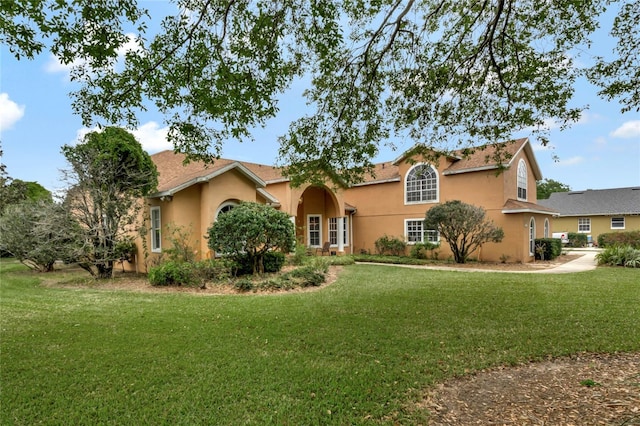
586 262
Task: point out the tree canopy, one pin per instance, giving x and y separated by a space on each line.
449 74
108 173
251 230
464 226
546 187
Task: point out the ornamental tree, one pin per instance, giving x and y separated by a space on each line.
38 233
463 226
251 229
451 73
109 173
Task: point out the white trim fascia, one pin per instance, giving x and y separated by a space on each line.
273 200
472 169
279 180
597 214
548 213
375 182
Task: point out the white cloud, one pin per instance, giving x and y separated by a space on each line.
54 65
10 112
628 130
152 137
571 161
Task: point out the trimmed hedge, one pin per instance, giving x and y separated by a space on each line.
577 240
628 238
550 248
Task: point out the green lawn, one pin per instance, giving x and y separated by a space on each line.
361 351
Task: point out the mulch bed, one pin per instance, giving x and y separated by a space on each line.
585 389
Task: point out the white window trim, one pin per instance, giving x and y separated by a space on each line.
155 249
437 199
406 232
546 228
319 216
532 236
345 230
588 219
522 179
223 205
624 222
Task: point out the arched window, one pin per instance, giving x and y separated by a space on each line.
532 237
421 184
225 207
522 180
546 228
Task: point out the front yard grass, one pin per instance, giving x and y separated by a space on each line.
360 351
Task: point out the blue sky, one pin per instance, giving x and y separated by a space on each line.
600 151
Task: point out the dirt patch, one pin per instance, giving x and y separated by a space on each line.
586 389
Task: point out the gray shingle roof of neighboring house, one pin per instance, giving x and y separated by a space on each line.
595 202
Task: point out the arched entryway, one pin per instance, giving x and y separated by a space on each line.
320 219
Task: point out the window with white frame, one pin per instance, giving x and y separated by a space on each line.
532 236
546 228
225 207
522 180
617 222
415 233
421 184
314 230
156 230
333 231
584 224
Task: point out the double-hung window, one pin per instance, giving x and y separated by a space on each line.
156 230
333 231
314 230
584 224
415 232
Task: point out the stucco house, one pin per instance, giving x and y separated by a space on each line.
393 201
594 212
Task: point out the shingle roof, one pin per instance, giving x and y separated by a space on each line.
517 206
595 202
173 173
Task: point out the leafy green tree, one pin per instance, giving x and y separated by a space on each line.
109 173
463 226
546 187
40 232
453 73
251 230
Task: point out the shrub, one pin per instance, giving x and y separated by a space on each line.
307 276
550 248
243 284
393 246
173 273
214 269
628 238
619 256
299 254
273 261
421 250
576 240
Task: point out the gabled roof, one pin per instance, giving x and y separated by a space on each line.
484 158
623 201
174 175
463 161
516 206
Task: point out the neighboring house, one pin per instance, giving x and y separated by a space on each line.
595 212
392 203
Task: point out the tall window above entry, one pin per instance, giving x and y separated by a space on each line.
422 184
522 180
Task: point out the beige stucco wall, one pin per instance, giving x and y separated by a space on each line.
381 209
599 224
